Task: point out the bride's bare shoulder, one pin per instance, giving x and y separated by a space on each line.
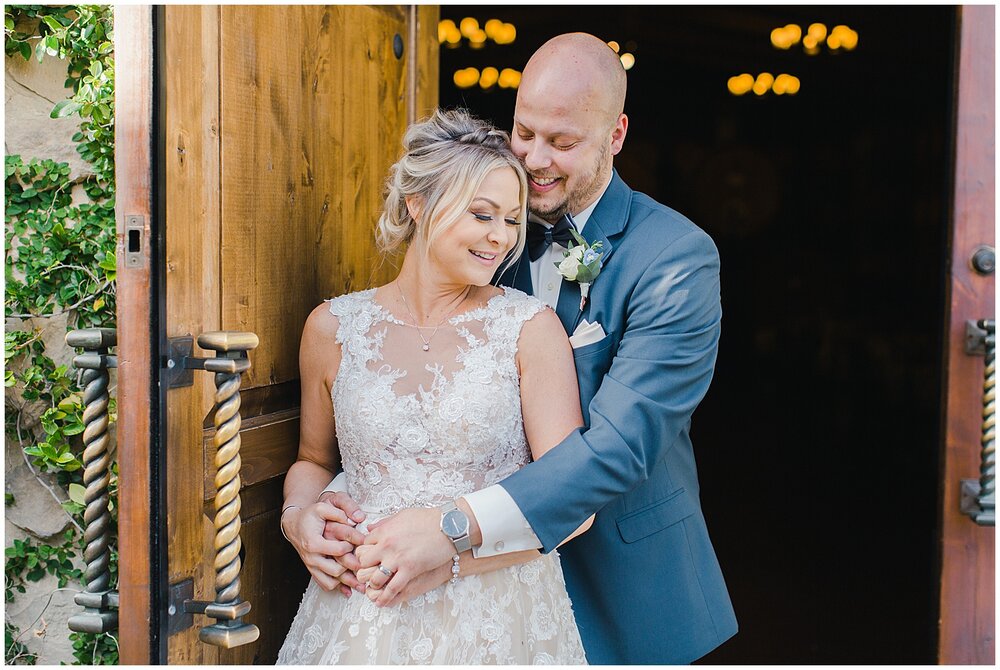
319 333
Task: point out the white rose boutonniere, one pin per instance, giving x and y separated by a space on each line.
582 264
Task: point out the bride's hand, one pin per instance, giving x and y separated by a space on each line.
304 527
410 543
417 586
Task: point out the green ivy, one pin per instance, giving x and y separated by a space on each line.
60 259
83 35
26 560
15 652
53 245
91 649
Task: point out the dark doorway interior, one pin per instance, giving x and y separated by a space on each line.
818 443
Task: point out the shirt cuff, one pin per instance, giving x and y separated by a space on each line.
503 526
338 484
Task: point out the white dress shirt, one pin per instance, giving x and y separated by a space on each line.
501 522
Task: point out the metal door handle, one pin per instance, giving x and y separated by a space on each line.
100 603
231 349
978 498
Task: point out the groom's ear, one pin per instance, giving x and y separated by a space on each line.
618 134
414 204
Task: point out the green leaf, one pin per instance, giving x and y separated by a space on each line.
25 49
64 108
8 23
52 23
76 493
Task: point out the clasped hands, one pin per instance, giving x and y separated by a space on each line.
409 545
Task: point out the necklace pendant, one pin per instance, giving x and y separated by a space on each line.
426 347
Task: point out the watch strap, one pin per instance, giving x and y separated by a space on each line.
464 542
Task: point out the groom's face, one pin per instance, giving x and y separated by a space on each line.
566 148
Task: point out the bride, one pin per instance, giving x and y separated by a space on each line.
428 388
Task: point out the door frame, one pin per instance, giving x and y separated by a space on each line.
136 251
967 579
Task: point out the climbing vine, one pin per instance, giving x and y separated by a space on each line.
60 260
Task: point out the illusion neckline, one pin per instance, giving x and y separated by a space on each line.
472 314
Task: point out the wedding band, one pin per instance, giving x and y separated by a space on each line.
386 571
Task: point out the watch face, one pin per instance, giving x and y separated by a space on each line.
455 523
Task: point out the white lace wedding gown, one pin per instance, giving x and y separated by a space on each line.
418 429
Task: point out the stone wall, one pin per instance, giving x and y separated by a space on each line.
32 88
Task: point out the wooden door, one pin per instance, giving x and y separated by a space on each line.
273 131
967 621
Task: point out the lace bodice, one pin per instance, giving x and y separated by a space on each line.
419 428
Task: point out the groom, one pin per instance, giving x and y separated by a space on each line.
644 580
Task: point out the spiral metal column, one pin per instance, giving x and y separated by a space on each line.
228 609
100 604
988 464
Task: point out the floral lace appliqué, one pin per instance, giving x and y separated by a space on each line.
417 430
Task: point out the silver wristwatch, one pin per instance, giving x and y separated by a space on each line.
455 526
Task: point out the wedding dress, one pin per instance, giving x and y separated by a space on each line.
420 428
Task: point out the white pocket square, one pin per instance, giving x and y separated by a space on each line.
586 333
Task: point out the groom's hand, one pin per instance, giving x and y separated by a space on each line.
335 530
410 543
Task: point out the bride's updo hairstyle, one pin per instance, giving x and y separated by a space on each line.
445 160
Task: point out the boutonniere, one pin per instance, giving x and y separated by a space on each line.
582 264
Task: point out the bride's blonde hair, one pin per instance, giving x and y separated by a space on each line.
445 160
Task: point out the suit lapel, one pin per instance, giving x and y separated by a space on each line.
608 221
605 225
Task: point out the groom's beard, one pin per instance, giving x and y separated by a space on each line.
581 195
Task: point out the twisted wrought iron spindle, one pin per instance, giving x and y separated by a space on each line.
99 602
987 468
230 362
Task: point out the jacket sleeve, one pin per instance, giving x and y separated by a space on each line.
659 374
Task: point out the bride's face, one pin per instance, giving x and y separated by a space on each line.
471 250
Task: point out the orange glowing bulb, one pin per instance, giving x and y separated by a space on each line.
817 31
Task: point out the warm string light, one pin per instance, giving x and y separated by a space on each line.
783 84
840 38
627 59
488 78
451 35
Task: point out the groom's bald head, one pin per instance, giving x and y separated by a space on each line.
579 69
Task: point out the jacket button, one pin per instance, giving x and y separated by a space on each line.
498 546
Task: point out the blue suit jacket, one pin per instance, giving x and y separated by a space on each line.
644 580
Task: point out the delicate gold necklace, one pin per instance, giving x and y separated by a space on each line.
420 329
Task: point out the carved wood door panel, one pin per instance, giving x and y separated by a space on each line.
273 129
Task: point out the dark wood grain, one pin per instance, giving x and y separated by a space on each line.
967 619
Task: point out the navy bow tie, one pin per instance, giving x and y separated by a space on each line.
541 238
